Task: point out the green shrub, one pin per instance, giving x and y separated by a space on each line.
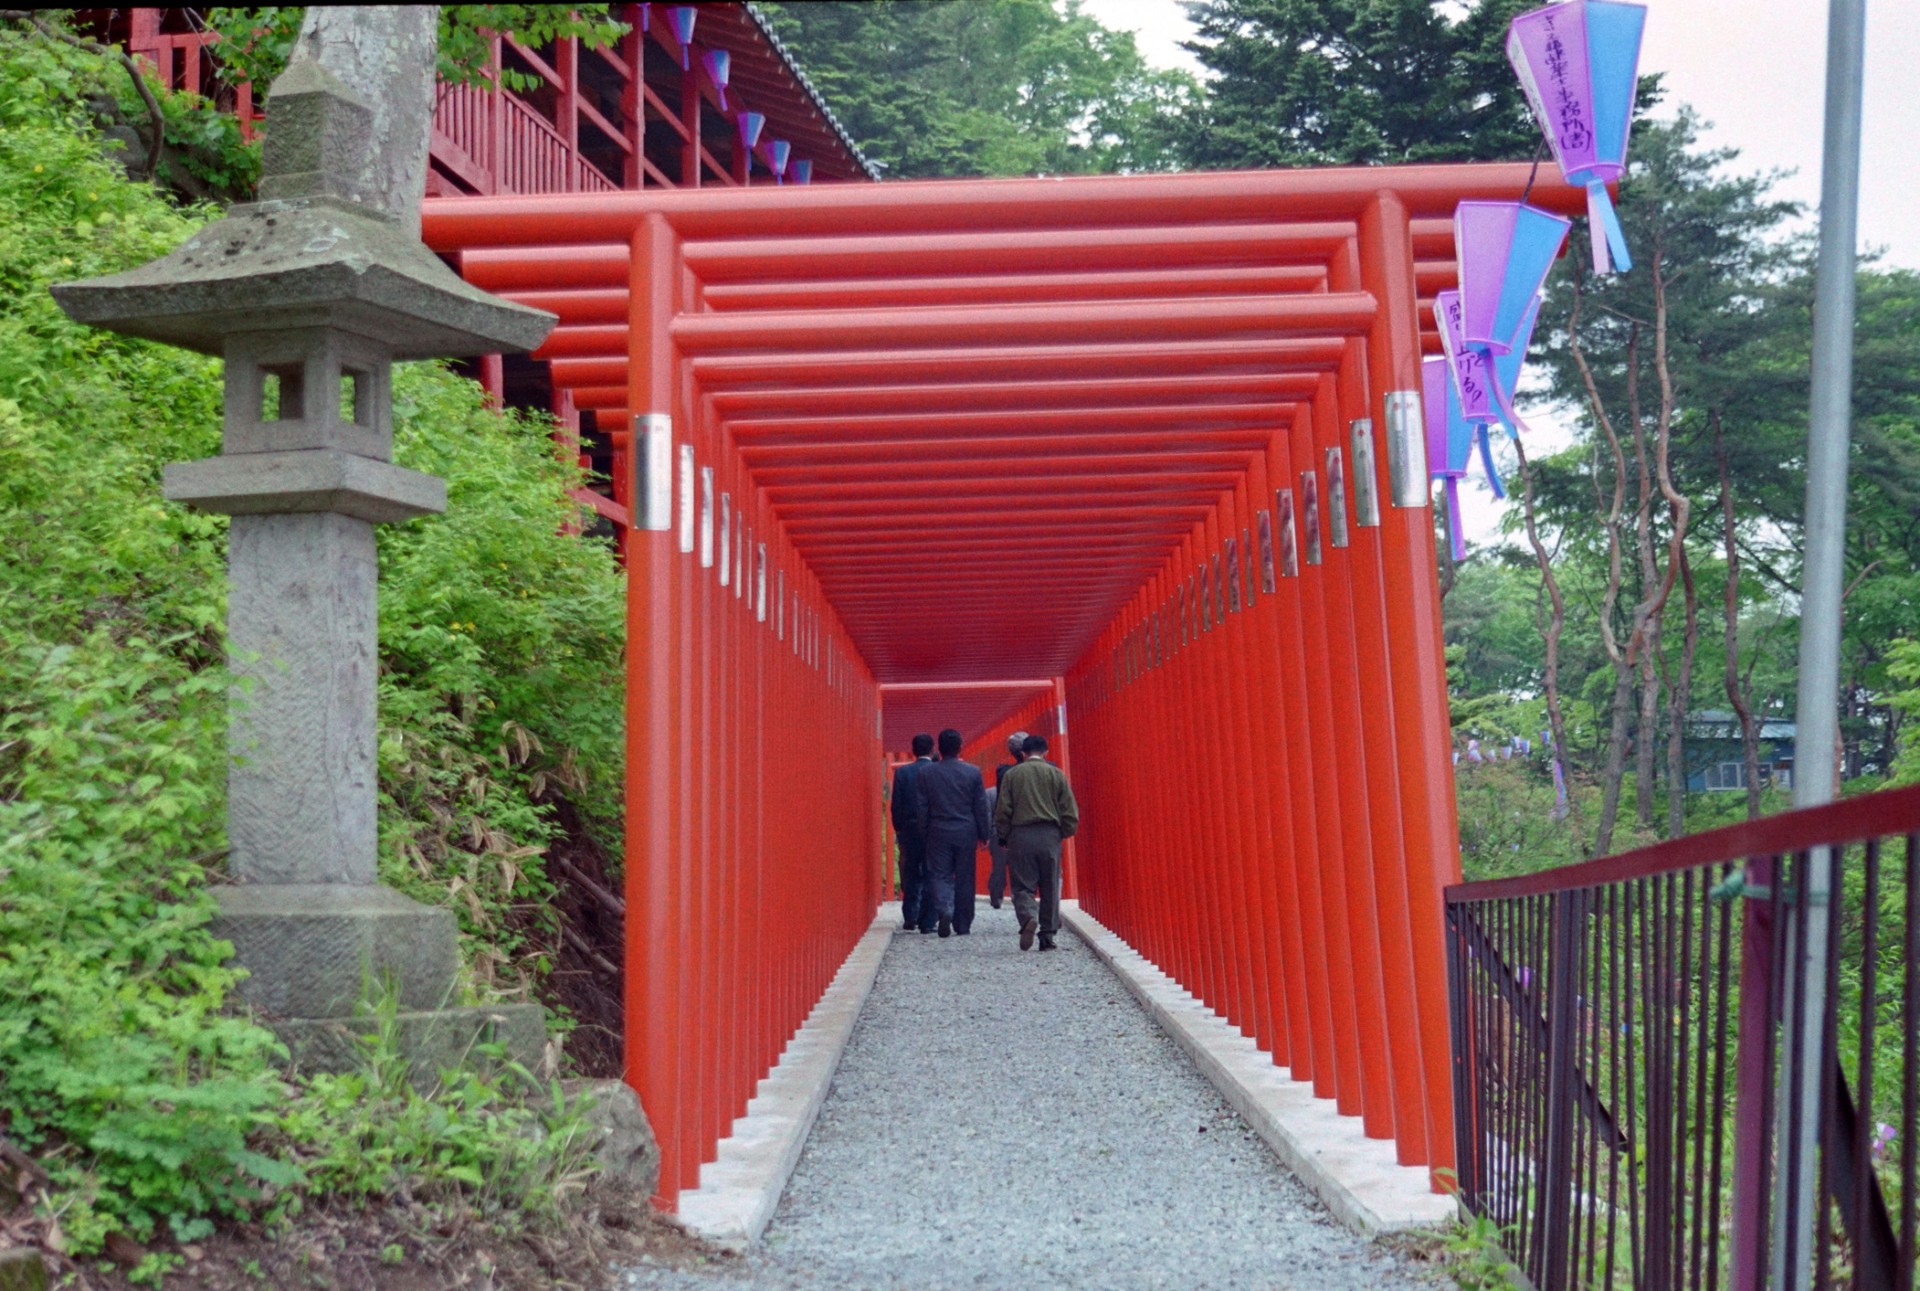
501 640
121 1066
502 1146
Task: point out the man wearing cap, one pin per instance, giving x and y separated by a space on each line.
1034 814
996 850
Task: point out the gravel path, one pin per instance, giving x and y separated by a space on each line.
1001 1119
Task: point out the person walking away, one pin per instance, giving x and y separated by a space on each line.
996 855
906 809
1035 813
1017 750
954 808
996 852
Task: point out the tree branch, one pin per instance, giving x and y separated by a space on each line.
1612 519
1858 579
607 900
155 117
588 953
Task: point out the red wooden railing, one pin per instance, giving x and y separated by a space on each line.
586 133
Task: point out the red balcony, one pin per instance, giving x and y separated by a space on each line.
643 113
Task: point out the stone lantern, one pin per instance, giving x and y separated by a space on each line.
310 294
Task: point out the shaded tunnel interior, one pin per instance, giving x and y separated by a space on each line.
1135 462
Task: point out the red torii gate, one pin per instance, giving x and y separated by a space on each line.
1131 432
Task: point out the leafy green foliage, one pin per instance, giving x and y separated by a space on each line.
932 88
206 154
1479 1263
1903 665
1345 82
1508 823
1737 289
112 710
257 41
1738 295
501 1146
501 643
120 1063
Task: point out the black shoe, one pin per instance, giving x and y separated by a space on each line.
924 930
963 932
1046 943
946 927
995 903
1027 925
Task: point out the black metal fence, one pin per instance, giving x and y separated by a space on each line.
1630 1093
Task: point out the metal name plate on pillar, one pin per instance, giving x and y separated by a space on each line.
1407 450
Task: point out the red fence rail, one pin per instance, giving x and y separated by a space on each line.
626 116
1628 1043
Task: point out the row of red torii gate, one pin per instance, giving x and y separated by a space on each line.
1137 462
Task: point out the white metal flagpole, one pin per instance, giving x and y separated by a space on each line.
1822 577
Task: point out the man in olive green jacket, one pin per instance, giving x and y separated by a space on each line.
1035 812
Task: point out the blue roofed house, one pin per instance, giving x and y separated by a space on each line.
1716 762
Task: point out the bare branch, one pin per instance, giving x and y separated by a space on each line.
1858 579
1556 623
1623 317
613 904
588 953
155 117
1612 518
1738 687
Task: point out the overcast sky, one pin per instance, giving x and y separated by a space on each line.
1754 69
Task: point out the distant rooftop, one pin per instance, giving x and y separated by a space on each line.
1723 723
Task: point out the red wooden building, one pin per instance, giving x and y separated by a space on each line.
694 95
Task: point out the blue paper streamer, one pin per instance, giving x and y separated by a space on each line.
1454 537
1486 460
1600 211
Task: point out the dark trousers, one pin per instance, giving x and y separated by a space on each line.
1033 855
966 886
996 872
913 876
949 871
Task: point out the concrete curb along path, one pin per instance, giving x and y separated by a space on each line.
739 1190
1357 1177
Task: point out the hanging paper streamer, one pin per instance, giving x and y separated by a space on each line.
719 65
801 172
1506 383
750 124
1578 63
680 18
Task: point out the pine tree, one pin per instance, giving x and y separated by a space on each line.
932 88
1332 82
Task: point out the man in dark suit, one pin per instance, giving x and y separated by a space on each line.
954 802
907 811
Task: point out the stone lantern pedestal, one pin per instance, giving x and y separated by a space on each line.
310 295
